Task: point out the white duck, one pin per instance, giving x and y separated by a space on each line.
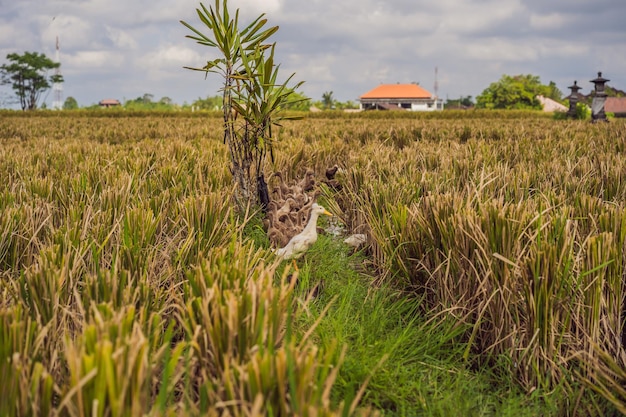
301 242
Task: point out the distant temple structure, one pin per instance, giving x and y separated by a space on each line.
599 98
573 98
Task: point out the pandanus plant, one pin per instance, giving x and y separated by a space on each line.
252 96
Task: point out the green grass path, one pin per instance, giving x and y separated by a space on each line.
415 362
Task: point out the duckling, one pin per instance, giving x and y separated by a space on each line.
301 242
284 189
277 236
276 194
330 172
297 222
272 206
285 208
300 199
306 207
301 217
274 221
308 182
333 184
330 178
297 193
289 227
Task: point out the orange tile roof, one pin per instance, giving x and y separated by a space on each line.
397 91
109 101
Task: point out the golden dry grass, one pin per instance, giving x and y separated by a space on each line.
119 250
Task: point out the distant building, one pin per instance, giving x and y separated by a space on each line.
550 105
109 102
410 97
615 105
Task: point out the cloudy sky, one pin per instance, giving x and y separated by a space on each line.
125 48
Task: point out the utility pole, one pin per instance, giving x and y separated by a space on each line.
57 88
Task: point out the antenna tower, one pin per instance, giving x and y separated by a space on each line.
57 88
436 83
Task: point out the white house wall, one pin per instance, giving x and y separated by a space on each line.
421 105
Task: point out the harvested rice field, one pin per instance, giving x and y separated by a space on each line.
491 281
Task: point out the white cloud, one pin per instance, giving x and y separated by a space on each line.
121 38
168 58
322 69
124 48
254 6
73 31
473 16
551 21
93 61
495 49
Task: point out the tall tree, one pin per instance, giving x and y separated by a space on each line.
70 104
553 92
166 101
515 92
147 98
28 76
328 100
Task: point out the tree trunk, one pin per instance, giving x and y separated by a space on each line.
263 192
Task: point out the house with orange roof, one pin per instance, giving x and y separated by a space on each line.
410 97
109 102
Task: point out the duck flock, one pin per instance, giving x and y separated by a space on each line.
289 209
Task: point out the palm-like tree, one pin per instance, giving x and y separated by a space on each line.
328 100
